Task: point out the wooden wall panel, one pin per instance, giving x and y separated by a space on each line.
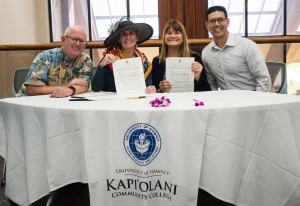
201 6
195 19
190 18
199 26
177 10
191 13
167 10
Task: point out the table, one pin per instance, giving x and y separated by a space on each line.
251 150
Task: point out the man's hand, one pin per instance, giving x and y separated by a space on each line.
61 92
78 81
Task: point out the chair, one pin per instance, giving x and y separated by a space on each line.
278 76
19 78
94 70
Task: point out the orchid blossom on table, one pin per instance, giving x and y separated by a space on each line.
162 102
198 103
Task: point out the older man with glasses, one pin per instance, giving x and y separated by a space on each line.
232 62
62 71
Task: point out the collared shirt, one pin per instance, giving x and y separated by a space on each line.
54 68
240 64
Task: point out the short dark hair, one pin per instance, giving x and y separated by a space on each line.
215 8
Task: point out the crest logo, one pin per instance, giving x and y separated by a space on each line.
142 143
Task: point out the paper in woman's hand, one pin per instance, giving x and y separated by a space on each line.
179 73
129 76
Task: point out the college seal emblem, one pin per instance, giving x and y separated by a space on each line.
142 143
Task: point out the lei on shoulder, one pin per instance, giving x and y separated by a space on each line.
116 51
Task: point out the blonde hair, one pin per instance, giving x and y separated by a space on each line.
184 47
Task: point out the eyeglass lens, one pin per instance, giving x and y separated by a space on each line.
75 40
220 20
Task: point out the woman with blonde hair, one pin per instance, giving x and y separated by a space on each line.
175 44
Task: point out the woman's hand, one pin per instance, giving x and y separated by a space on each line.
150 90
197 69
164 86
109 58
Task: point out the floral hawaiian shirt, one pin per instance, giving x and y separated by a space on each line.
53 68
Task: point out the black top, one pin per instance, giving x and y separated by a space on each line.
103 80
158 72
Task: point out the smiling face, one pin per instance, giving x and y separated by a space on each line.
128 39
71 48
173 38
218 30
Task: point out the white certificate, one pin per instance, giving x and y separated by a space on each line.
179 73
129 76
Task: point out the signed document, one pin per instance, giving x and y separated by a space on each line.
179 73
129 76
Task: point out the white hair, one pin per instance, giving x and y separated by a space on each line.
67 31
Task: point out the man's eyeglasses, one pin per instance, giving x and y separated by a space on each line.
75 40
220 20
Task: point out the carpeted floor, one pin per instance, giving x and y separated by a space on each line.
78 195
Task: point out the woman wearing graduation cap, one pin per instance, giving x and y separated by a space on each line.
121 44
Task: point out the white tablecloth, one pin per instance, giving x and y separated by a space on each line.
251 151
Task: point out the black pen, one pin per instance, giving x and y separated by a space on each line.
80 99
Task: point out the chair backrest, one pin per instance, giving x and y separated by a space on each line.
94 69
19 78
277 71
